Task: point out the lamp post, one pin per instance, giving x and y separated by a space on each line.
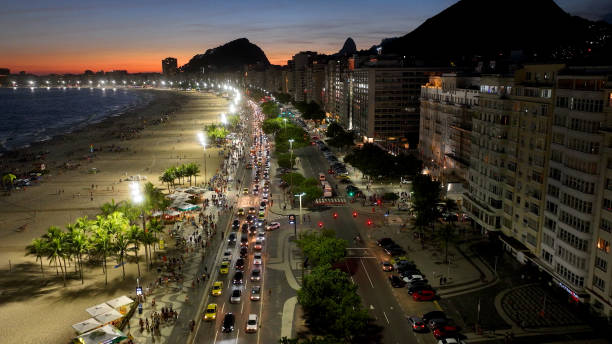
137 198
300 196
291 160
202 140
285 123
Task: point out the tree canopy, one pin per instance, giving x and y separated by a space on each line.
270 109
216 132
375 161
310 110
322 247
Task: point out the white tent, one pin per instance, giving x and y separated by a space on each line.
108 317
99 309
157 213
119 302
106 334
172 213
86 325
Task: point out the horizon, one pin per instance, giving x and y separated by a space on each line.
70 38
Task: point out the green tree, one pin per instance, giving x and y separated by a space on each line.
109 207
285 160
272 126
331 304
56 248
167 177
120 247
193 170
38 248
134 235
425 198
293 177
334 129
216 132
322 247
270 109
79 241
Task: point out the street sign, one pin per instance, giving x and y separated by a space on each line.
291 219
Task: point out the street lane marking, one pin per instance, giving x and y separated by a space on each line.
241 308
216 334
222 307
237 335
385 314
437 305
367 274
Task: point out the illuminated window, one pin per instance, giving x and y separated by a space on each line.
603 245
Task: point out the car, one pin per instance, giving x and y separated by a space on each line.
261 236
256 191
244 240
331 171
239 266
231 238
445 331
227 255
211 312
244 227
409 272
396 282
241 212
217 288
255 275
424 295
237 280
224 269
250 219
252 230
417 324
263 204
394 250
257 258
251 324
261 215
412 278
384 241
433 315
235 225
439 322
252 210
255 293
235 297
228 323
273 226
451 341
262 208
386 266
258 245
244 251
415 287
245 191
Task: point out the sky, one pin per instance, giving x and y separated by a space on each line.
68 36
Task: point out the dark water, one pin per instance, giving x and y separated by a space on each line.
34 115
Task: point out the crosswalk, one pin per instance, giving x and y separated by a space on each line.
333 201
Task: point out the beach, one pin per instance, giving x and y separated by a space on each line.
142 142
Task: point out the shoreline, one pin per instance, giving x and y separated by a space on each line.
25 297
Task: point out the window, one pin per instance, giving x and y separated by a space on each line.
603 245
547 256
551 207
601 264
548 240
550 224
569 276
572 240
575 222
605 225
599 283
553 191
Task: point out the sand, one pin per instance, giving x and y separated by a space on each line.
34 309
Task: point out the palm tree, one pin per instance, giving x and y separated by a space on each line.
79 242
38 247
55 242
167 177
122 241
134 237
181 173
107 228
155 226
109 207
446 235
147 239
195 172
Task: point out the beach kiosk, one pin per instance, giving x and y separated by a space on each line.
121 304
86 326
104 335
99 309
111 317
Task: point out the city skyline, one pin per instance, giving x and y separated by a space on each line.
70 38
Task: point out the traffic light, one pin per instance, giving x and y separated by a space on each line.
369 222
335 216
354 214
379 202
320 224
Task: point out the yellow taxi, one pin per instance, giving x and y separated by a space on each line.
261 215
241 212
245 191
211 312
217 288
224 269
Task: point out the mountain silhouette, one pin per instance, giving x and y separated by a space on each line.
228 57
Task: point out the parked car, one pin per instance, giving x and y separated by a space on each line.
415 287
411 278
445 331
451 341
384 241
433 315
396 282
386 266
417 324
424 295
273 226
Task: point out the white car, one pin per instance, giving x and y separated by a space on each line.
450 341
272 226
251 325
412 278
261 236
227 255
257 259
235 298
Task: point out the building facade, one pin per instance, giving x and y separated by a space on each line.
169 66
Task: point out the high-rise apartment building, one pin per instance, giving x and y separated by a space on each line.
169 66
301 61
315 82
447 106
337 91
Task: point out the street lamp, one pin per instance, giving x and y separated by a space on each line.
291 160
223 119
137 198
285 122
300 196
202 140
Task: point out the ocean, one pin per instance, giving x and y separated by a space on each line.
34 115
